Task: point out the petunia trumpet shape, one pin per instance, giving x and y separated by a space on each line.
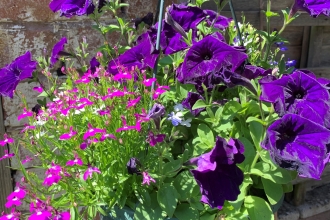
21 68
298 93
58 47
296 143
312 7
69 8
217 174
207 56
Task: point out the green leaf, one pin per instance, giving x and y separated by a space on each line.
172 168
256 131
270 14
185 212
167 197
168 60
258 208
184 184
251 118
249 153
274 192
276 174
287 187
206 135
199 104
152 212
207 216
243 187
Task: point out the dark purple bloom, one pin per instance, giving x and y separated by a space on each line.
21 68
190 101
141 56
36 109
252 72
281 46
217 174
188 17
58 47
216 20
296 143
133 166
156 112
94 63
298 93
206 56
232 79
69 8
312 7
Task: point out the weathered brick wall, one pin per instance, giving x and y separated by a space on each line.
31 25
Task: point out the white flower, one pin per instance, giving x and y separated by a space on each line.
186 122
178 107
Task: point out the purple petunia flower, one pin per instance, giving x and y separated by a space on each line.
141 56
216 20
94 64
298 93
188 17
69 8
312 7
217 174
190 101
147 178
206 56
6 140
89 172
69 135
296 143
58 47
21 68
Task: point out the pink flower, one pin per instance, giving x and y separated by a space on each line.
69 135
133 102
105 136
84 145
154 139
40 215
25 114
76 161
51 179
89 172
38 89
62 216
85 79
126 127
148 82
7 140
14 215
38 204
147 179
19 193
160 90
26 160
122 75
92 131
13 201
28 127
6 155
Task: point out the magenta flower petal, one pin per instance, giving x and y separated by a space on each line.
147 178
7 140
25 114
89 172
69 135
13 202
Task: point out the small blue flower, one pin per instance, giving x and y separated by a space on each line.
176 118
